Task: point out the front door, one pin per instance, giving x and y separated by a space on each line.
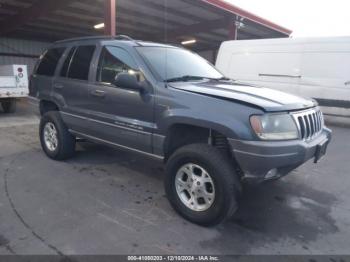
119 115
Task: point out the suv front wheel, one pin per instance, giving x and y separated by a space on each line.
201 184
57 142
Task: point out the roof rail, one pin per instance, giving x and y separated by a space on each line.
105 37
123 37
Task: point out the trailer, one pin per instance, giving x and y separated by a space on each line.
13 85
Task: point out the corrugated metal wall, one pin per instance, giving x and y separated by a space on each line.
209 55
24 47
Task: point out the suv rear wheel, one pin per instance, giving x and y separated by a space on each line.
57 142
201 184
9 105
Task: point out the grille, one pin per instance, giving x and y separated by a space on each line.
310 123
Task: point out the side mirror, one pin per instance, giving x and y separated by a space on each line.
127 81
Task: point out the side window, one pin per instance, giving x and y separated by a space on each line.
80 65
49 61
66 64
113 61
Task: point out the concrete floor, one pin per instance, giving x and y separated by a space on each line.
105 201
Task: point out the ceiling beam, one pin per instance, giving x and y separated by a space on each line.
76 24
201 27
69 29
25 15
212 9
39 35
228 7
162 7
245 35
16 4
47 30
124 12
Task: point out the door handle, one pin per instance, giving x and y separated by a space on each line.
347 83
58 86
98 93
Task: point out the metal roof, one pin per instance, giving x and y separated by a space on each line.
170 21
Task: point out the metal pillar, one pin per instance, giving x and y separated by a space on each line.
110 17
232 30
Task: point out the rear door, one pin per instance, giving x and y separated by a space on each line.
121 116
72 84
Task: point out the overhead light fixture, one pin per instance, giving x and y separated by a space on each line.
99 26
189 42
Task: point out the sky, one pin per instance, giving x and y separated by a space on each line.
307 18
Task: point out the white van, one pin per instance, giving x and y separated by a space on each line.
309 67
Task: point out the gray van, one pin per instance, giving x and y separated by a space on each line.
170 104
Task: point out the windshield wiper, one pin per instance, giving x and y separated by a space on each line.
221 79
184 78
225 79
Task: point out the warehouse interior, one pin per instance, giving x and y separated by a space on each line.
27 27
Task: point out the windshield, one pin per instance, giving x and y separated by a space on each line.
175 64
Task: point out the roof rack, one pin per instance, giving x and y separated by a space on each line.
105 37
123 37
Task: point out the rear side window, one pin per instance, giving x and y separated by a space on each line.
66 63
80 65
49 61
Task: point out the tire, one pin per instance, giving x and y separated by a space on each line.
65 141
9 106
208 162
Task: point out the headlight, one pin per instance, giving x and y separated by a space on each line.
274 126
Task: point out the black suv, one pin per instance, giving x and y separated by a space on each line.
169 103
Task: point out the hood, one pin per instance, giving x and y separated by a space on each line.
269 100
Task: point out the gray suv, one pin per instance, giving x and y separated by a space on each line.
170 104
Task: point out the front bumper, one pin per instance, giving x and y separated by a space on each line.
272 159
